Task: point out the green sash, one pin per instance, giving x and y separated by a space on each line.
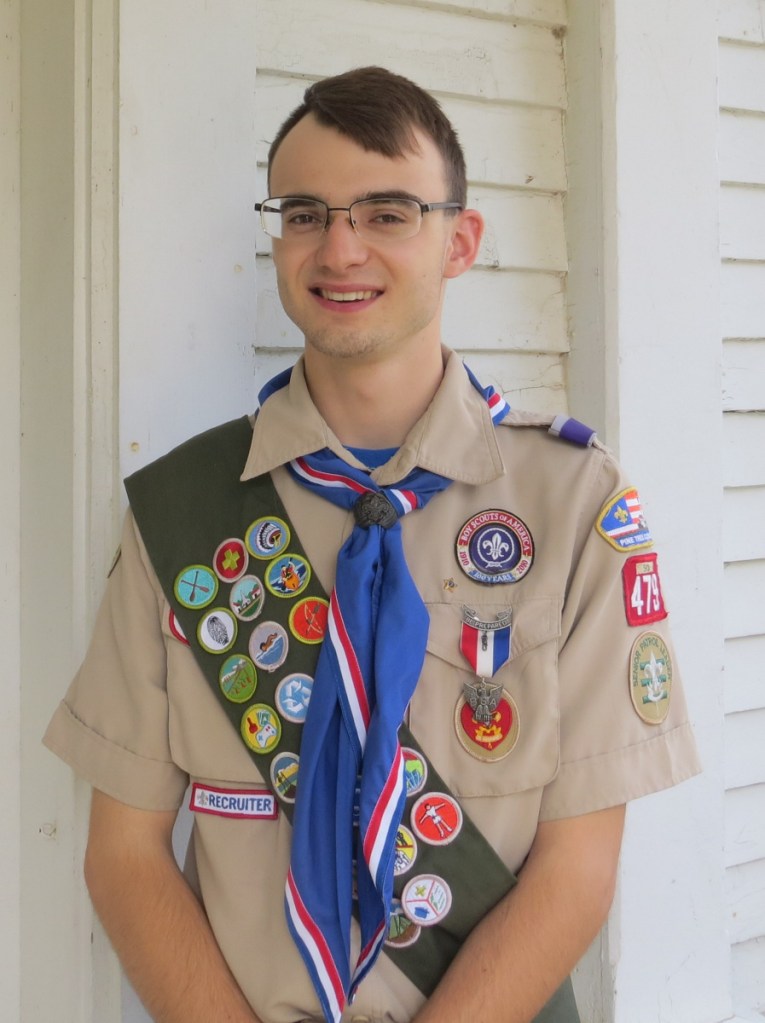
186 504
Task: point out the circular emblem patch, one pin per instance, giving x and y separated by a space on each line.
261 728
175 627
237 678
266 537
284 775
426 899
495 547
196 586
268 646
401 930
247 597
436 818
293 695
405 850
216 631
308 619
230 560
491 741
415 770
288 575
650 677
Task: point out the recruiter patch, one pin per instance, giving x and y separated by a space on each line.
426 899
436 818
293 695
268 646
230 560
196 586
246 804
261 728
495 547
266 537
643 599
246 599
308 619
488 741
238 678
650 677
284 775
622 524
216 631
288 575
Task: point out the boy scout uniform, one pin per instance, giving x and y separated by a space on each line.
589 640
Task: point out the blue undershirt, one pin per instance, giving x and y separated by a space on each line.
373 458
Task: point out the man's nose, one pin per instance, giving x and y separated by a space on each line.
339 244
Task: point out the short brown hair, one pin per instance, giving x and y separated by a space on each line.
379 110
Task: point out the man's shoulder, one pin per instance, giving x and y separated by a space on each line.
557 426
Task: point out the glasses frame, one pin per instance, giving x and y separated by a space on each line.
425 207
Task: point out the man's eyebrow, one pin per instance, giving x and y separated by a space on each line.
390 193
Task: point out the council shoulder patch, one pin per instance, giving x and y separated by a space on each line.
650 677
495 546
622 524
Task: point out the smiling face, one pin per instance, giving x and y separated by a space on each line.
350 297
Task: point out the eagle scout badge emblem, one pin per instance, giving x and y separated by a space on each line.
495 547
195 586
492 740
436 818
237 678
622 524
643 600
266 537
261 728
650 677
426 899
230 560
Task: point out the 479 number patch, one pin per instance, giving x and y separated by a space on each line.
643 599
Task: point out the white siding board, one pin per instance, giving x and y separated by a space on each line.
528 381
743 449
745 750
523 231
448 52
748 971
742 147
744 825
742 20
742 77
744 608
744 376
746 894
742 221
745 675
543 12
743 519
743 300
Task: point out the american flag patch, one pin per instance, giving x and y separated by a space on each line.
622 524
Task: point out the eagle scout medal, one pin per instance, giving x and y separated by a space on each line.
230 560
284 775
268 646
216 631
436 818
426 899
261 728
485 645
622 524
415 770
643 599
195 586
495 547
293 695
266 537
308 619
405 850
401 931
650 677
246 599
494 739
288 575
238 678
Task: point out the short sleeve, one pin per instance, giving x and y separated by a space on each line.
112 725
615 746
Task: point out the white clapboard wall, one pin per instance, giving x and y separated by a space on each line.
742 241
497 68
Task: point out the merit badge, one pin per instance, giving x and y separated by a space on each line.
230 560
288 575
268 646
216 631
175 627
492 740
436 818
650 677
426 899
284 775
308 619
415 770
485 645
267 537
401 931
246 598
293 695
643 600
405 851
261 728
622 524
196 586
247 804
237 678
495 547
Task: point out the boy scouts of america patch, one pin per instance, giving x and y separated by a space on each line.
650 677
622 524
495 547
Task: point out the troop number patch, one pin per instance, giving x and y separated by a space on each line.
643 599
495 547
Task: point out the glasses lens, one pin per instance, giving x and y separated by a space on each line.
386 218
293 217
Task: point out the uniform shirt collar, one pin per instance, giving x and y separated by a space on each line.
455 437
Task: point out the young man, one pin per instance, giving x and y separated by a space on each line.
404 643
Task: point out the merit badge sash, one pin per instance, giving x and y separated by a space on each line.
243 596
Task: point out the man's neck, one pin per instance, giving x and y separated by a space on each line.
373 404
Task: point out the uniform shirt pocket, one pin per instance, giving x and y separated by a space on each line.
531 680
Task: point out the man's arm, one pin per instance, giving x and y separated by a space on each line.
155 922
521 952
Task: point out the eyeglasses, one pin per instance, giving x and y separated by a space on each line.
386 218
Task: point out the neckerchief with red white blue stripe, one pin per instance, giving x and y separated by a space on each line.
350 756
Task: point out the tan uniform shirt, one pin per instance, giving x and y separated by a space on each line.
139 720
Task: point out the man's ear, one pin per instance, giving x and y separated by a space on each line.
465 240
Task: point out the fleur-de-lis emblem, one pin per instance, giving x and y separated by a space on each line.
495 547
